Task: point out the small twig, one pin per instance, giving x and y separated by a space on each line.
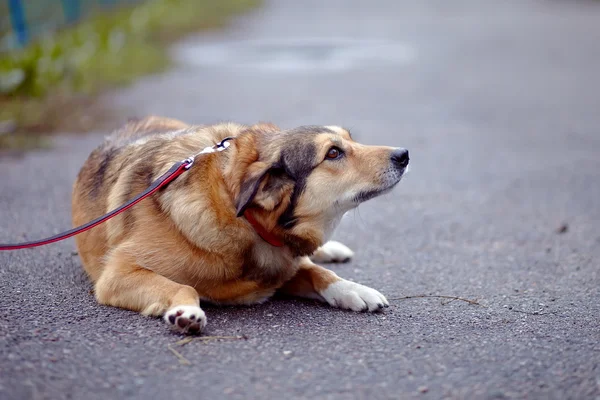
182 359
184 341
537 312
201 338
452 298
190 339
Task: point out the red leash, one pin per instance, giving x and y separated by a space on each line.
176 170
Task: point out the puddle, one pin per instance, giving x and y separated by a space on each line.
296 55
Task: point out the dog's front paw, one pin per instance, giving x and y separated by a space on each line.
332 251
353 296
186 319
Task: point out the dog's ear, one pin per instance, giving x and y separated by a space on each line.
267 186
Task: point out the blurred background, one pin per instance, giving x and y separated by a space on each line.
498 102
56 56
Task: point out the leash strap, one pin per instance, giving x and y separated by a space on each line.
166 178
176 170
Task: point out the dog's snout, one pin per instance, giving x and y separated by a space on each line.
400 157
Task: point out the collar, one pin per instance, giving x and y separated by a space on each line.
262 232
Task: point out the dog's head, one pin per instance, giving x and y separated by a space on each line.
298 183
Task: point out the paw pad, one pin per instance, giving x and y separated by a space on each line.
186 319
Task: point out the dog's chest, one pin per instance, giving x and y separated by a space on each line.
268 265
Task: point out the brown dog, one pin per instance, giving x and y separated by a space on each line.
200 237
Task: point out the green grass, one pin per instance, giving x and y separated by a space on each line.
52 84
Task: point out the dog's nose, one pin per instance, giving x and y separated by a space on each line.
400 158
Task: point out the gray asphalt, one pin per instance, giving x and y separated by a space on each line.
499 104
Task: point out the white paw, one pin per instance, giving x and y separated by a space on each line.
332 251
186 319
353 296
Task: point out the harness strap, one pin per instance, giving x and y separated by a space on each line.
262 232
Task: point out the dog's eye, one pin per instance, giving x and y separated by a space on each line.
334 153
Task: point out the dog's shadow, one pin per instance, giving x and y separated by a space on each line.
278 301
280 312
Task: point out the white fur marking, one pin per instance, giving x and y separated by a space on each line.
332 251
270 259
353 296
335 128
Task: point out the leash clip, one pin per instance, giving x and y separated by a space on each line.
222 145
188 162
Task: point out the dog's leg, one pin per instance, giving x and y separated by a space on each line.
332 252
315 282
125 284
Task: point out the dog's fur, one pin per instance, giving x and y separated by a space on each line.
191 242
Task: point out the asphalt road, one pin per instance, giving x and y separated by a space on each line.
499 104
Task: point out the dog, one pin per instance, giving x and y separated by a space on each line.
238 226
